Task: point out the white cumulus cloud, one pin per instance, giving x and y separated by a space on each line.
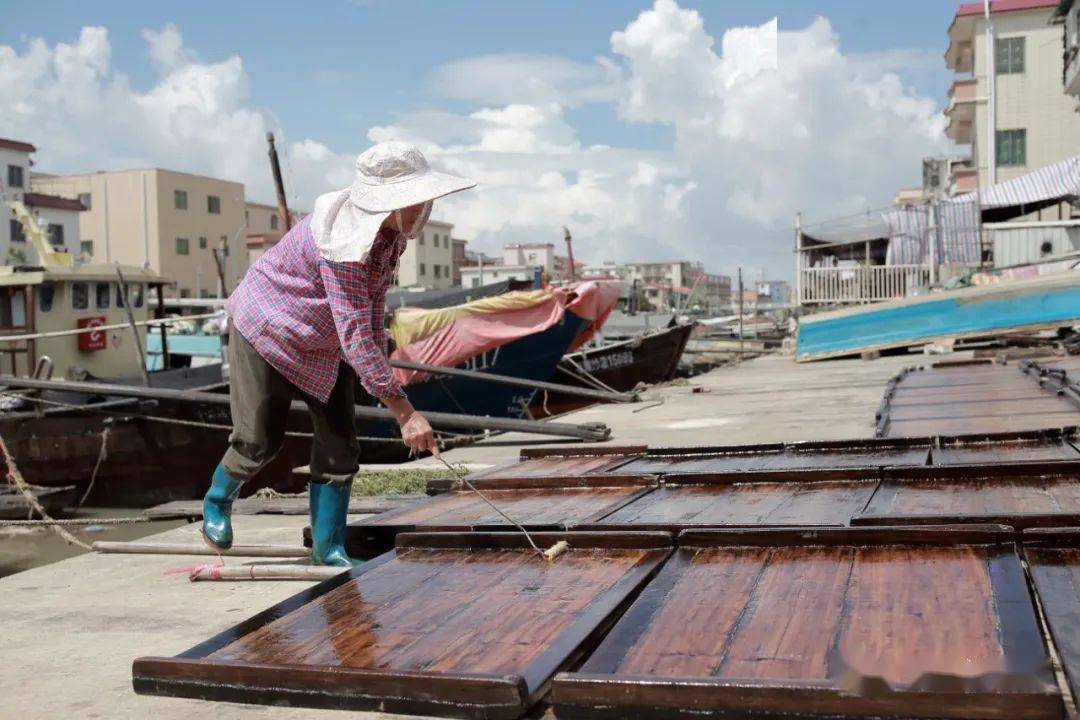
767 121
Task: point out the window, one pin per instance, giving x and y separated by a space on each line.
204 293
1011 147
476 282
18 235
213 204
86 247
273 222
15 176
180 199
135 292
225 245
56 235
181 246
46 293
1009 55
101 295
185 293
438 271
85 200
247 218
446 269
423 269
80 296
435 239
202 243
421 238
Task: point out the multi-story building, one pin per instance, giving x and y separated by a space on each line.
476 275
264 229
57 216
459 258
772 293
681 284
428 261
168 221
1068 15
1007 101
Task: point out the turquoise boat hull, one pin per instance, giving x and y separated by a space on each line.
1042 302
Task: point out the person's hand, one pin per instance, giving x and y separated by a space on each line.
417 434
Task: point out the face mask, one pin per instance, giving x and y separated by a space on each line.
418 224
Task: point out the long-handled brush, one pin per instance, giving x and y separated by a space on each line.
548 555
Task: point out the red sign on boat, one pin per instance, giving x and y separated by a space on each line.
91 341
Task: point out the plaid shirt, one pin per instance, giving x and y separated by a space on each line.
303 314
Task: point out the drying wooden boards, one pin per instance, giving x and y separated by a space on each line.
865 454
1000 451
457 625
561 463
536 508
840 622
1053 555
1010 496
718 501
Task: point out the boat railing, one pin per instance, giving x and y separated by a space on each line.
860 284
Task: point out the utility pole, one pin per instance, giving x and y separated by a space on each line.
570 253
740 316
279 185
991 82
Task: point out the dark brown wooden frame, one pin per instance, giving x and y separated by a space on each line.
365 538
594 692
877 512
467 695
1059 600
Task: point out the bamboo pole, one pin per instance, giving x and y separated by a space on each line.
134 327
265 572
141 548
448 421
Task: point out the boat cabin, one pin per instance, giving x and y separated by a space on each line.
41 300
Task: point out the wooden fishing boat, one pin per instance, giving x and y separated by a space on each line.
15 506
1048 301
620 365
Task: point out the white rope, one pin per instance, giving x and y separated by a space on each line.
99 328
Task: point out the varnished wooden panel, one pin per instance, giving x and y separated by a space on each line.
1019 501
539 508
1056 572
675 507
1021 451
476 630
1047 404
908 630
990 423
557 466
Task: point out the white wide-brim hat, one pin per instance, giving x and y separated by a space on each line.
389 176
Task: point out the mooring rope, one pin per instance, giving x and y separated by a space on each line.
15 478
102 454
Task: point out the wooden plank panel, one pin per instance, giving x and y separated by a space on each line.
840 627
555 466
1003 452
1019 501
1056 575
964 426
472 629
675 507
1045 405
463 510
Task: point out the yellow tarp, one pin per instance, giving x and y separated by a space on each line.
412 325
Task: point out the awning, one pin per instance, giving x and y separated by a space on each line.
847 230
1036 190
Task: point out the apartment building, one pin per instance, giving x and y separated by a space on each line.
57 216
168 221
459 258
263 223
428 261
681 283
1021 120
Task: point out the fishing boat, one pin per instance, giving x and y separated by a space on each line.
1006 305
621 364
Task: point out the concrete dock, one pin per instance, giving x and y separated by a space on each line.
72 628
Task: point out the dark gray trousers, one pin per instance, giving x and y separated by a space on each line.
259 399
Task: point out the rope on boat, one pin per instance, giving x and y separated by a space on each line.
15 478
100 328
102 454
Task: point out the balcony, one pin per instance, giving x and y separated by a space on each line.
961 110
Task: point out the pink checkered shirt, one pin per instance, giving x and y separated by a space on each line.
304 314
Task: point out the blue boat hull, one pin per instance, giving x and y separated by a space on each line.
1014 305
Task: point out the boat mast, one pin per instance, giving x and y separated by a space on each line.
279 186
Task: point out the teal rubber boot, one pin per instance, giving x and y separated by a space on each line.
329 504
217 508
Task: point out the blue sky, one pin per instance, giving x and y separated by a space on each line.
707 153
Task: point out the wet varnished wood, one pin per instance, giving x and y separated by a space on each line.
1016 500
1004 452
554 466
754 503
933 629
1056 575
476 630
